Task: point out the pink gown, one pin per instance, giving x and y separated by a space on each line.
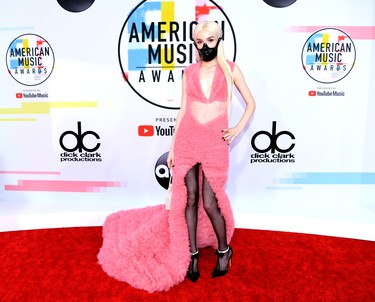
149 247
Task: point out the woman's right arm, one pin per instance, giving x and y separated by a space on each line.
180 114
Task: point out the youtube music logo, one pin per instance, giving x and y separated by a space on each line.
319 93
150 130
145 130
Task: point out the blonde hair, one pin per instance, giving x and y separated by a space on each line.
215 29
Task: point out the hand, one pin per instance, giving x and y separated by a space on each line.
170 159
230 134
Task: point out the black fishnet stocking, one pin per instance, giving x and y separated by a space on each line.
212 209
191 212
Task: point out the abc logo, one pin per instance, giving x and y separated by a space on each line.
75 6
273 137
279 3
79 140
162 172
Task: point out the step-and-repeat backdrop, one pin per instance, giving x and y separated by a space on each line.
90 91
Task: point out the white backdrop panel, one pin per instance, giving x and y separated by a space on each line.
324 185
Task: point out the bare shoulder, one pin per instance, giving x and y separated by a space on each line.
191 66
237 73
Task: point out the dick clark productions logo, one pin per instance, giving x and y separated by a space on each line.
80 146
273 147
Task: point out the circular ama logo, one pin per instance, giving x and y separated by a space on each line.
156 44
30 59
328 55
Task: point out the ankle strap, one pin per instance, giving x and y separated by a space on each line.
223 252
195 253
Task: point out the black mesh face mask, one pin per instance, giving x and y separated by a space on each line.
206 53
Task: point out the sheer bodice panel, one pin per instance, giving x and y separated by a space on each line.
205 112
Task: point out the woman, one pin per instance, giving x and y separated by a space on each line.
199 149
154 249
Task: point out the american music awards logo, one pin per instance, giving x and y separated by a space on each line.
328 55
30 59
156 44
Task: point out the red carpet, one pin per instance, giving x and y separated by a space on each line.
61 265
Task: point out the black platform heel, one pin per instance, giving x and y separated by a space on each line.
193 276
220 254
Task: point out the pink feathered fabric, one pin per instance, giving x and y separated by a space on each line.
149 247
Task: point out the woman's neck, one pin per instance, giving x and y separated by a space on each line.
209 64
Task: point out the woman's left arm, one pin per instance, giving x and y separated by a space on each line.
243 89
